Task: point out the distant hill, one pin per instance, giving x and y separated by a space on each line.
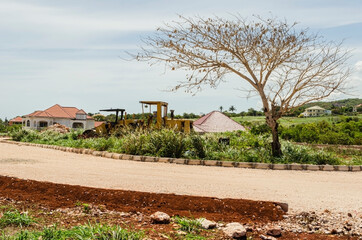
350 102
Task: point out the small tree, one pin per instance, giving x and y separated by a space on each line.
221 108
99 117
286 66
251 112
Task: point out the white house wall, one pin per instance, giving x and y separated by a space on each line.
34 122
89 124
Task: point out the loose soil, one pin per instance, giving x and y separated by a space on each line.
61 196
61 204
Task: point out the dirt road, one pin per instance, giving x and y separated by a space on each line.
335 191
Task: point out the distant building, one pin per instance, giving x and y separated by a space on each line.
216 122
316 111
16 121
70 117
355 108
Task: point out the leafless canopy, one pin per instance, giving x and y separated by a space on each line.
285 65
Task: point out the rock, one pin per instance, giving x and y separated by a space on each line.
234 230
182 233
160 218
124 214
207 224
284 206
334 231
267 237
220 225
275 232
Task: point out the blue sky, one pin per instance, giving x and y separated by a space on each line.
71 52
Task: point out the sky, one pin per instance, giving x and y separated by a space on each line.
73 53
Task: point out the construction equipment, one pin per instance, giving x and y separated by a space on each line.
162 120
158 119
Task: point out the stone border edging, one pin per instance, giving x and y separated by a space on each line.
252 165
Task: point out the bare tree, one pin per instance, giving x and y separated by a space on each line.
286 66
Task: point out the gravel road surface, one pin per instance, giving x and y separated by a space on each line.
302 190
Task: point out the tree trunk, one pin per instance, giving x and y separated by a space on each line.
276 146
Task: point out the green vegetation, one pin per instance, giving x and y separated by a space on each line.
347 131
188 228
344 103
98 232
15 218
189 225
85 206
5 128
288 121
248 146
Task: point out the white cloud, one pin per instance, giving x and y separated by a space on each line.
358 66
67 51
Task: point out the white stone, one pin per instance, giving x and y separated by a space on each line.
160 217
234 230
207 224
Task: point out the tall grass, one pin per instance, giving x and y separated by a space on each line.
15 218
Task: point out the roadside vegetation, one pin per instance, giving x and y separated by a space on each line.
317 130
346 131
248 146
54 225
97 231
5 128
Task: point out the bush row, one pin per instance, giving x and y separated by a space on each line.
243 147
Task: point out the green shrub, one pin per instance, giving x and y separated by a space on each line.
166 143
345 131
306 155
134 143
258 129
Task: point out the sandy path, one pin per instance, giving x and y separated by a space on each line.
336 191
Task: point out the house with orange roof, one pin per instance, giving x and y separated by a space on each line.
16 121
70 117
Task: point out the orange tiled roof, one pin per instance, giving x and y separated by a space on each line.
17 119
97 124
58 111
81 112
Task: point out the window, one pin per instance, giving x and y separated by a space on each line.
28 123
81 116
43 124
77 125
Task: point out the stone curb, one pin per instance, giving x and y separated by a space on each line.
298 167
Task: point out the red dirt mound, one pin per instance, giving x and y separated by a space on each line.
60 195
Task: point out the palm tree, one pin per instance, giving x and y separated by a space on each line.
232 109
221 108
